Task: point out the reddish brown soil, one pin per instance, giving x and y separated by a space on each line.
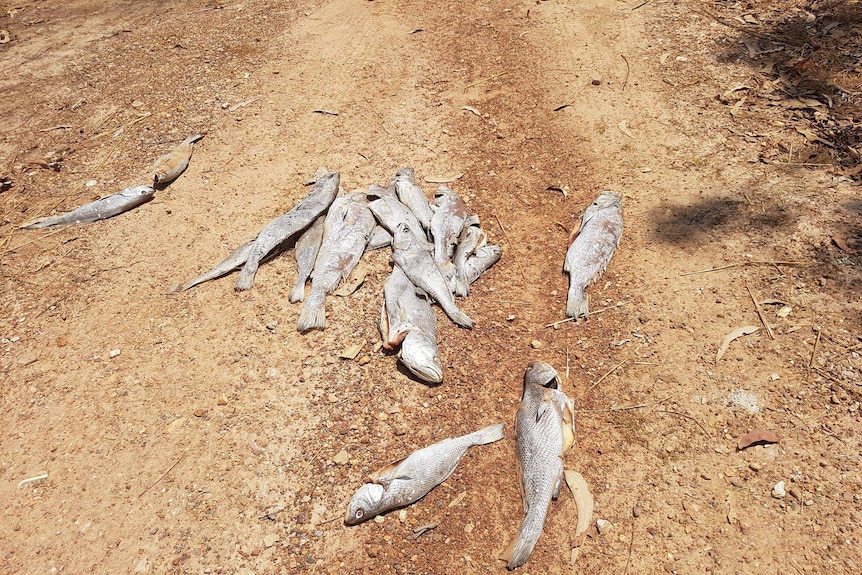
207 444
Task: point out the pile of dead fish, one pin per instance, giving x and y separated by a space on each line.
438 251
544 431
167 169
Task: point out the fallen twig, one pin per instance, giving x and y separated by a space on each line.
685 415
598 311
628 69
165 474
482 81
511 245
24 482
814 351
624 407
613 369
740 264
12 249
759 311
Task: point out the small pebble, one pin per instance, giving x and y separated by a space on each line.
778 491
114 353
379 519
200 411
341 458
536 344
603 526
272 325
754 466
402 515
364 359
510 318
62 341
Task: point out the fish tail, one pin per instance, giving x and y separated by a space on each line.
193 138
313 312
175 289
577 304
460 318
462 286
298 292
245 279
487 435
520 549
43 223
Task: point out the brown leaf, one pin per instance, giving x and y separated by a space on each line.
841 242
756 437
738 332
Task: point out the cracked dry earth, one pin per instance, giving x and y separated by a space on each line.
220 440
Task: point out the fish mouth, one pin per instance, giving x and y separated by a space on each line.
426 371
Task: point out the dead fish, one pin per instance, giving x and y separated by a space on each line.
591 249
544 430
408 480
472 238
390 212
234 261
305 251
477 264
408 319
379 238
278 230
412 196
415 260
170 166
101 209
446 225
345 235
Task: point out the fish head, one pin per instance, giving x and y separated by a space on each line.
135 191
364 504
327 178
405 173
376 192
542 374
421 358
607 200
403 238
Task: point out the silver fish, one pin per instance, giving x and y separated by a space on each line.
305 251
446 225
414 259
234 261
481 261
544 430
390 212
412 196
300 217
472 238
408 480
170 166
591 250
345 234
409 320
380 238
99 210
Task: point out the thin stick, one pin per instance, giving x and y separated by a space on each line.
814 351
613 369
567 366
628 69
631 544
165 474
598 311
625 407
685 416
514 251
511 301
477 82
740 264
27 243
760 314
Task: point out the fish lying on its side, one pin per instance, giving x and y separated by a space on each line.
481 261
171 166
234 261
408 480
446 225
472 238
278 230
412 196
390 212
591 250
345 234
544 430
99 210
380 238
305 252
414 259
409 320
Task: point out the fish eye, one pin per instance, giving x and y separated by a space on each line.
359 513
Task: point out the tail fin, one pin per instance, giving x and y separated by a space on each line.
487 435
42 223
462 286
175 289
519 550
193 138
460 318
245 280
313 312
577 303
298 292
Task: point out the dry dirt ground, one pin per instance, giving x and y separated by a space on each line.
213 442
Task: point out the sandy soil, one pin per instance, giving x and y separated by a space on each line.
220 440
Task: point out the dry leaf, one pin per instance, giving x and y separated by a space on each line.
458 499
472 109
784 311
841 242
755 437
623 127
738 332
443 179
351 351
583 499
356 278
812 137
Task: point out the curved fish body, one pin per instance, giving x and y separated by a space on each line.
472 238
234 261
591 250
278 230
346 229
446 225
305 251
480 262
101 209
380 238
170 166
390 212
394 316
412 196
544 430
408 480
414 259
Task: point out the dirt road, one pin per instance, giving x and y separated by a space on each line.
220 440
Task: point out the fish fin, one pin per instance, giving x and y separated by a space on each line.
575 233
298 292
556 494
384 323
460 318
568 425
384 472
244 281
577 307
462 286
487 435
312 316
175 289
36 224
193 138
542 409
517 553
